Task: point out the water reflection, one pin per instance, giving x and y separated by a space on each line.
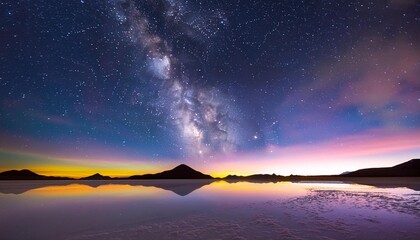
197 209
185 187
179 187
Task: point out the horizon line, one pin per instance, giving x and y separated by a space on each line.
226 175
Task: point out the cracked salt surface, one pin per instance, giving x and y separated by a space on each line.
218 211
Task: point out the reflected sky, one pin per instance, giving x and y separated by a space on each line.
97 210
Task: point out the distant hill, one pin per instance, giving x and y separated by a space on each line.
180 172
27 175
256 177
96 176
406 169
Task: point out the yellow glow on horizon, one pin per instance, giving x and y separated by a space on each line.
74 168
370 149
79 172
78 190
83 171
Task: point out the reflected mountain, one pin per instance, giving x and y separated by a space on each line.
379 182
384 182
181 187
181 180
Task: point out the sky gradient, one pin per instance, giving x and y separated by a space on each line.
125 87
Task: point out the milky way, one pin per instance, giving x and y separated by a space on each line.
208 82
205 119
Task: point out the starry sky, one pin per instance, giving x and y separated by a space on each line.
132 86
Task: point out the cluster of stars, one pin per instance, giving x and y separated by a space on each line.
203 120
178 78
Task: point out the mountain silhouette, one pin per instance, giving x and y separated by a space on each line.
184 187
26 174
96 176
407 169
180 172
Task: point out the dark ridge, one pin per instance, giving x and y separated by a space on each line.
407 169
257 177
180 172
96 176
27 175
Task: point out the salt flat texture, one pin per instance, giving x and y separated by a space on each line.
320 214
219 210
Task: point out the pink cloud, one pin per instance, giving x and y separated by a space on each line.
389 74
380 78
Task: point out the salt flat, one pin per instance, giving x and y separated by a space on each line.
197 209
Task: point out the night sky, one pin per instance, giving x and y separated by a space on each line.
131 86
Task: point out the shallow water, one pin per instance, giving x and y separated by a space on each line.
201 209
